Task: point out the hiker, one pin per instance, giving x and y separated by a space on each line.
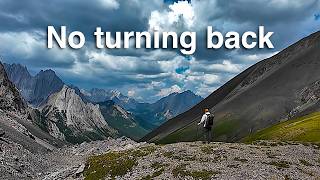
207 121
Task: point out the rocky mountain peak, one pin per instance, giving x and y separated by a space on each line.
82 120
9 96
48 72
16 68
34 89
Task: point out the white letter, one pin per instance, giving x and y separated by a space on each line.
127 36
210 35
156 38
147 39
98 35
192 45
235 39
245 40
116 44
264 38
81 39
165 36
61 41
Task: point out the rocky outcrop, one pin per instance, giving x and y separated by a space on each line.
70 118
308 100
10 99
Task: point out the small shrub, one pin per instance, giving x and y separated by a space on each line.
207 149
181 171
304 162
241 159
168 154
279 164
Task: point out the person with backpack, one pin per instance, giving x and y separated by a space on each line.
207 121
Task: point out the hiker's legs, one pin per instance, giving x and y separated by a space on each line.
204 135
209 136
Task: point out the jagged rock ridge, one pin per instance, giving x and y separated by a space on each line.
34 89
70 118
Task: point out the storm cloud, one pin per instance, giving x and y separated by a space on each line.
148 74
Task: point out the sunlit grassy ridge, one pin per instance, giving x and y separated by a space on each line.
303 129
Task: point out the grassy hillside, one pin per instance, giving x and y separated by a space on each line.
304 129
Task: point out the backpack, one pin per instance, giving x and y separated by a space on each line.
209 121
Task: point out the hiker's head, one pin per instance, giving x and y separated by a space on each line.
206 110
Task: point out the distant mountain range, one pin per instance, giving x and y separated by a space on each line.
34 89
73 115
100 95
282 87
151 115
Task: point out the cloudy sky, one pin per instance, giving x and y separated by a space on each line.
148 75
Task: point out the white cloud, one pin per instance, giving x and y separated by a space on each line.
170 90
109 4
225 66
131 93
32 49
179 14
252 58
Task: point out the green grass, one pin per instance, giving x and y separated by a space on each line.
114 164
181 171
193 132
225 127
207 149
159 169
155 174
184 157
303 129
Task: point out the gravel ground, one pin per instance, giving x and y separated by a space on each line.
263 160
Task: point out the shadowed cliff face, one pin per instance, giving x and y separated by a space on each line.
14 125
9 96
261 96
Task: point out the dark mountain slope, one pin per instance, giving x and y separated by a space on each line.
121 120
269 91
